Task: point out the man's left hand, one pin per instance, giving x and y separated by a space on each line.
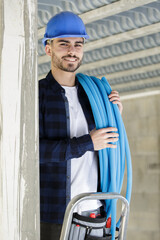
115 99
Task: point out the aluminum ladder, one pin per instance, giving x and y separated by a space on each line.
95 196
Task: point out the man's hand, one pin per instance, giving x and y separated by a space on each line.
115 99
102 138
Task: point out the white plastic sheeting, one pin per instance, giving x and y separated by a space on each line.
19 167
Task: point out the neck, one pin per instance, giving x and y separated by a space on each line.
64 78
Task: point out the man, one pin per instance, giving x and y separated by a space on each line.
68 138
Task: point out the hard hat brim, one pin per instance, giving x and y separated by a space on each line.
64 36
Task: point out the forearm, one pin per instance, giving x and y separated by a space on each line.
64 149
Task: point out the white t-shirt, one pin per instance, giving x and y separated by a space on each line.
84 170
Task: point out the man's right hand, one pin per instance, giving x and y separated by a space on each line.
102 138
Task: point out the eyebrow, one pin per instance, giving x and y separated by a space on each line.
66 41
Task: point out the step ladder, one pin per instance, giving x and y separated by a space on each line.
95 196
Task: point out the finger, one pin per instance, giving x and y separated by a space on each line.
108 129
111 140
120 106
114 99
111 129
117 102
111 146
110 135
115 93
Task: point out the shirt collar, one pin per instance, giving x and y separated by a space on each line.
55 85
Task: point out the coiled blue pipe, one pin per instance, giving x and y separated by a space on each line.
111 161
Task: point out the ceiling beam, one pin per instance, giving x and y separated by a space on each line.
132 71
121 37
106 11
120 59
112 9
143 87
136 83
146 93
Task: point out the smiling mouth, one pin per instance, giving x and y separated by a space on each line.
70 59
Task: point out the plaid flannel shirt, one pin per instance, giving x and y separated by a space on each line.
57 148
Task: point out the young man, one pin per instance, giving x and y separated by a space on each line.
68 138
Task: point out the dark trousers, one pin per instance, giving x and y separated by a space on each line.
50 231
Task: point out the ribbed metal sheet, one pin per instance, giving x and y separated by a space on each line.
124 22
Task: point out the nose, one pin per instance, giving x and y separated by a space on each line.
71 49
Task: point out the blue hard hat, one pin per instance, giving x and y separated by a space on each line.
65 24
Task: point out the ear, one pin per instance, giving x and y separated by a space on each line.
48 49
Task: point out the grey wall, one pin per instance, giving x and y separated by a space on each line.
142 120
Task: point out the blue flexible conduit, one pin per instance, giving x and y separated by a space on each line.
111 161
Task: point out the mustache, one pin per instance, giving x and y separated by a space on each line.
74 56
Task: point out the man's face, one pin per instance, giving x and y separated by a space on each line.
67 53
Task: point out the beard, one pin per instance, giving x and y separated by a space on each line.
60 64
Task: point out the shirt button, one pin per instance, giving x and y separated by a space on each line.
68 177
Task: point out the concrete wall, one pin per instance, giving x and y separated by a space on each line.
19 163
142 121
